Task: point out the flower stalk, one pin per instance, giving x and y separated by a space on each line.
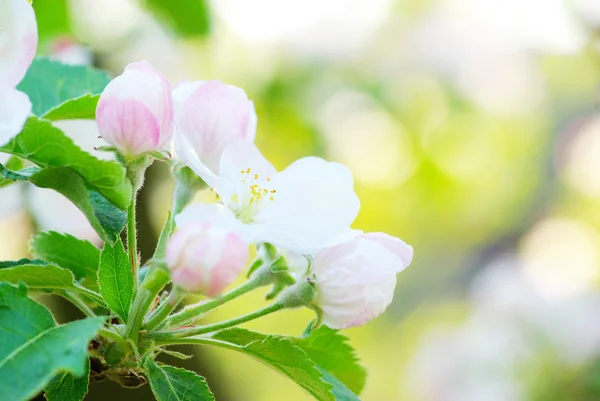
165 335
154 282
260 278
164 309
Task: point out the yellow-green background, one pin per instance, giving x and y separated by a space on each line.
449 152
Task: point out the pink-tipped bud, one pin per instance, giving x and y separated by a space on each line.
205 259
135 111
355 281
209 116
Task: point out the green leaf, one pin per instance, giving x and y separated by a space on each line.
27 368
47 146
165 235
175 384
68 387
33 349
79 108
104 217
188 18
41 276
115 279
330 350
281 354
344 362
340 391
79 256
14 163
50 83
21 319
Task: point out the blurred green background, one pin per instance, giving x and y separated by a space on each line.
472 128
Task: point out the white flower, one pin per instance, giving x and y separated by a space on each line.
355 281
309 205
18 43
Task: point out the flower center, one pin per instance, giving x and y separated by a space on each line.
253 192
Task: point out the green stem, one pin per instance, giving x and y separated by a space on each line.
192 312
79 303
196 341
155 280
132 239
94 296
111 335
136 168
274 307
161 313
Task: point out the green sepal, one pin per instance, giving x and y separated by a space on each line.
279 265
254 266
280 281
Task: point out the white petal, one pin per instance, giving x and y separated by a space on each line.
18 41
185 152
314 206
211 213
14 109
402 250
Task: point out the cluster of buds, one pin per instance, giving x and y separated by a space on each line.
306 209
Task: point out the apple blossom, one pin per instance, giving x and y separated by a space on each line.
204 258
18 43
308 205
210 115
135 111
355 281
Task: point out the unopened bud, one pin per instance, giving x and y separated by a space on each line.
205 259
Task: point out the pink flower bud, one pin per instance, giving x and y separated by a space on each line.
205 259
135 111
209 116
355 281
18 30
